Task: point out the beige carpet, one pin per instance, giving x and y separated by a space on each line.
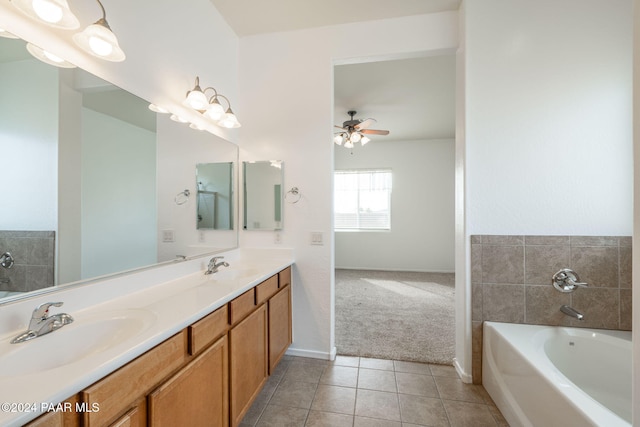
395 315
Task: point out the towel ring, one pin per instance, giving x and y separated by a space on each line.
293 196
182 197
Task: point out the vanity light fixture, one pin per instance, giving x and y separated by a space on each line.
55 13
98 40
7 35
178 119
48 57
211 107
158 109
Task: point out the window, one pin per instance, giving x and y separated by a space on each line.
362 200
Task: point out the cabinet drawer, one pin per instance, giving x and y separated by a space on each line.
266 289
284 278
116 393
208 329
241 306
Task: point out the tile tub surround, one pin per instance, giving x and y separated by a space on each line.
34 255
511 282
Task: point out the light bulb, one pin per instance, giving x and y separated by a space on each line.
100 46
47 11
215 110
355 137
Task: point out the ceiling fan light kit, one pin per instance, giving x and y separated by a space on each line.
354 131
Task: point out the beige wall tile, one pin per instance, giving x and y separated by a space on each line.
547 240
594 241
625 309
476 301
502 264
475 239
542 262
503 303
476 352
598 266
476 263
625 266
502 240
600 307
543 305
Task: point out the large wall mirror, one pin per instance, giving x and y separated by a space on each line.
91 176
263 195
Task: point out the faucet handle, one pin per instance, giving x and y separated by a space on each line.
41 311
567 280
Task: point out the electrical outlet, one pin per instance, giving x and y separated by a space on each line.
317 238
168 236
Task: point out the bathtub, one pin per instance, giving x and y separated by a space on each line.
552 376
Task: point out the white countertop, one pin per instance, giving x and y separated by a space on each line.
164 308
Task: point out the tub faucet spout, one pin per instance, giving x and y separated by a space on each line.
572 312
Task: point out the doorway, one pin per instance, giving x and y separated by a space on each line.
395 285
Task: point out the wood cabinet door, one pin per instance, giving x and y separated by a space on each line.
197 395
279 326
248 362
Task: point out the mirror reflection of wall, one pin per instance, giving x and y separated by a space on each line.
93 173
214 183
263 195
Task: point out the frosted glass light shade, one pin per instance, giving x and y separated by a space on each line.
48 57
98 40
215 111
364 140
158 109
355 137
338 139
6 34
55 13
229 120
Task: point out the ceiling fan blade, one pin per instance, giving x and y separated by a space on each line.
339 127
365 124
375 132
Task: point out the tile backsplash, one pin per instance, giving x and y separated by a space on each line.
33 253
511 282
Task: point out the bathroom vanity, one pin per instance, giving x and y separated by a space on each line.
209 344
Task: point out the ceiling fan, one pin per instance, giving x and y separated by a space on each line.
356 130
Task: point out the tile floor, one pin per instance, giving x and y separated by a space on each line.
363 392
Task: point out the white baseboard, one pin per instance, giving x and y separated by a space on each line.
312 354
465 377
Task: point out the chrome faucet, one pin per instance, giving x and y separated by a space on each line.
41 323
214 265
567 280
571 312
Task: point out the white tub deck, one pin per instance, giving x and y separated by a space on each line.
546 375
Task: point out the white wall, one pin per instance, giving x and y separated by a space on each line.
421 237
167 44
119 219
636 216
179 150
28 148
287 88
547 128
549 117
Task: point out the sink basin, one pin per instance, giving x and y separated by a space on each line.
234 274
84 337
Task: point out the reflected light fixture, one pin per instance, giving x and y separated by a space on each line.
211 107
55 13
7 35
48 57
98 40
158 109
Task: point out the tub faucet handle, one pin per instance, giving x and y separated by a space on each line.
567 280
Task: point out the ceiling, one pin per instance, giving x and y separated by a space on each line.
412 98
249 17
